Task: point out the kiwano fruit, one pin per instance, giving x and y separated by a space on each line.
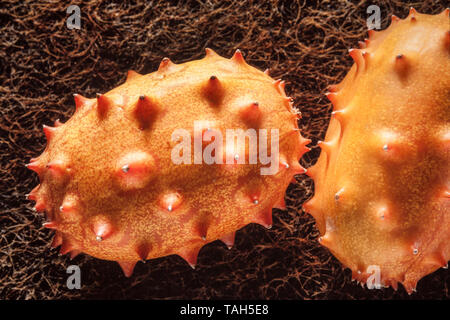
109 184
382 199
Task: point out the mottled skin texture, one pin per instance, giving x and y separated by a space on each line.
111 190
382 180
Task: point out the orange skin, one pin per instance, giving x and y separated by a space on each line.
382 179
111 190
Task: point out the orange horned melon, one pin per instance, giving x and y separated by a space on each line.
382 199
117 182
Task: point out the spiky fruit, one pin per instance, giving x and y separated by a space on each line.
382 179
109 184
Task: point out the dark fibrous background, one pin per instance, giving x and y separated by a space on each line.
42 63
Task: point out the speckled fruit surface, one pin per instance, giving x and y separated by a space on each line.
382 193
111 189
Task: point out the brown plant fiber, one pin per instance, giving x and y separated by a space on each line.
42 63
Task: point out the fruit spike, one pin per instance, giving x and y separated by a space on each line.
165 65
57 167
80 101
171 201
103 105
122 197
33 194
145 111
132 75
412 14
447 40
57 240
213 90
210 53
358 57
127 267
251 113
49 132
67 246
190 256
36 167
228 239
238 57
135 170
380 178
143 250
51 225
69 208
101 227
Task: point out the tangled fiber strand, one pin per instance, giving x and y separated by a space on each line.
42 63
